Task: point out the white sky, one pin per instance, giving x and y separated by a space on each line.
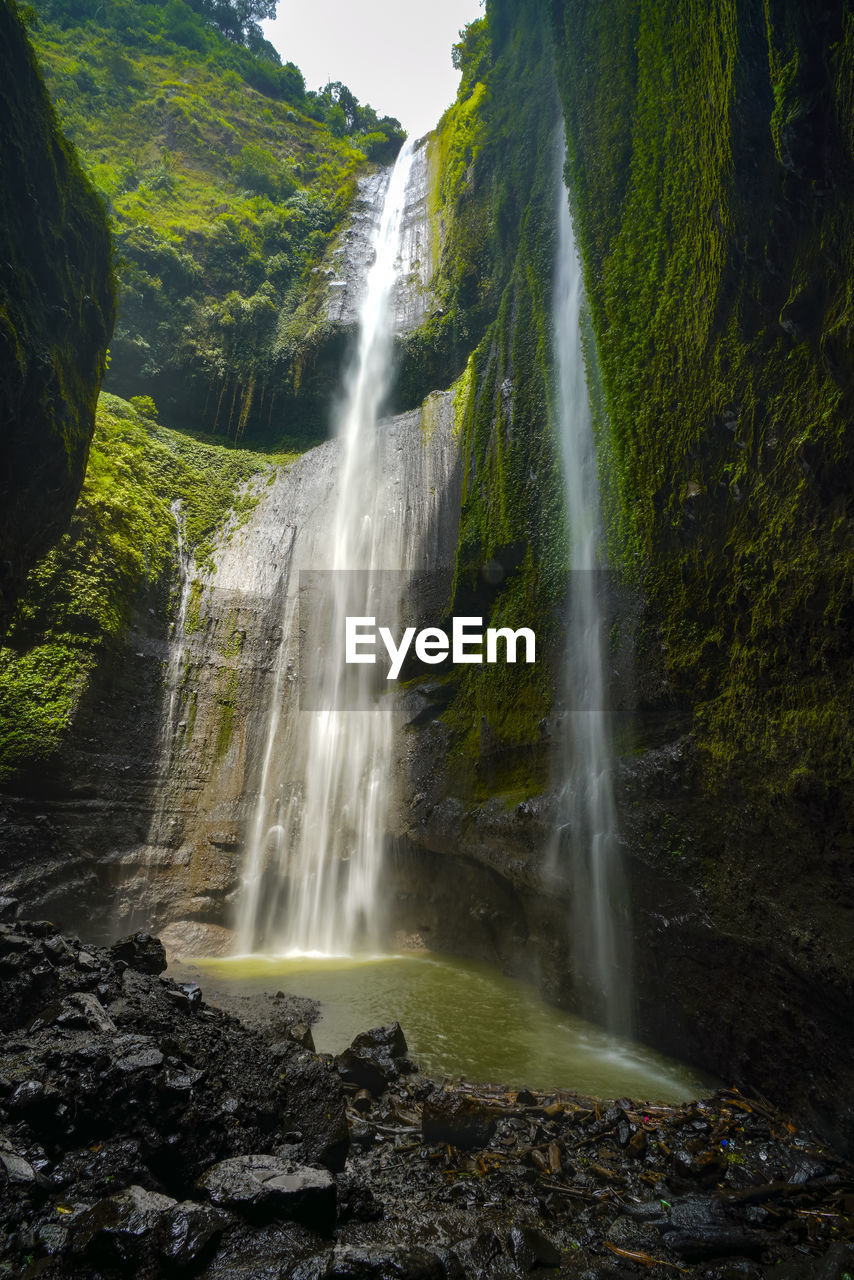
394 54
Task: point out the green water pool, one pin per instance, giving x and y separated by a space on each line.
461 1019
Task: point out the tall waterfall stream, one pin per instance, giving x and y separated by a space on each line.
326 835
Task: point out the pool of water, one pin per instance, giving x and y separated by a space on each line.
461 1019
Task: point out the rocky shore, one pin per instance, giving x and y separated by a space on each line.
144 1133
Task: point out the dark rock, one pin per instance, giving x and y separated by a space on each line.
17 1170
58 949
264 1188
8 908
389 1039
532 1249
363 1134
81 1009
316 1109
190 1229
697 1228
40 928
186 995
178 1083
458 1119
143 1059
140 951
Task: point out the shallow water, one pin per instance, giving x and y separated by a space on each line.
462 1019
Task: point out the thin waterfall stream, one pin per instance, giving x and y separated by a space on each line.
162 822
587 809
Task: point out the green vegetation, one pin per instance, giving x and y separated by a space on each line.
57 308
226 183
118 552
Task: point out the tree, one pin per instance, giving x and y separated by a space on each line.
237 19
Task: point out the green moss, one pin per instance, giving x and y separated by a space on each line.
226 699
80 598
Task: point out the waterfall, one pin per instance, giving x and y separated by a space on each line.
174 667
315 847
588 818
159 835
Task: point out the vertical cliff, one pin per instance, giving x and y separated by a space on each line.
57 310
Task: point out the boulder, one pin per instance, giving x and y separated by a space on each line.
264 1188
123 1226
137 1224
532 1249
189 1229
140 951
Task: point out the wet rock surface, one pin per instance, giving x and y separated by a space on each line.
147 1135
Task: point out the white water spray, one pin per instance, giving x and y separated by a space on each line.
588 814
315 848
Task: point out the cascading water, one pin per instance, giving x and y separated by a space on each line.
321 837
587 812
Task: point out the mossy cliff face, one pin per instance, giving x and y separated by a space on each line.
495 164
56 315
711 175
712 172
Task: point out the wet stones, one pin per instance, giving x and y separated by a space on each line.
698 1228
457 1119
349 1262
140 951
316 1109
265 1188
15 1170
